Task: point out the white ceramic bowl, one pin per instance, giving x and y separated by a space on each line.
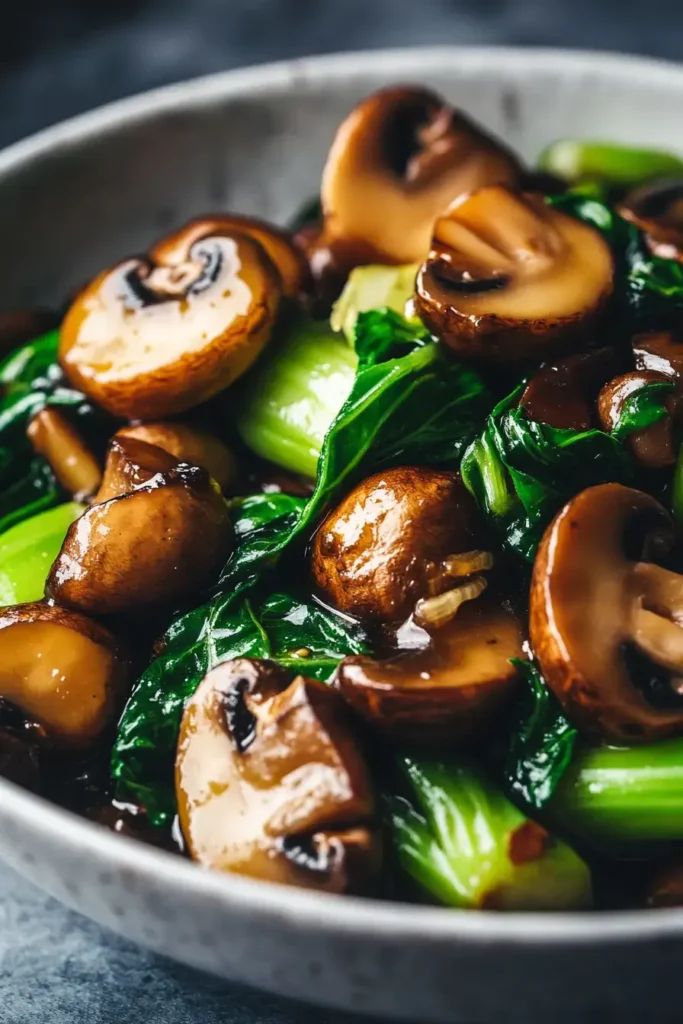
94 189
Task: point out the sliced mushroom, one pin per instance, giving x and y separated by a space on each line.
657 209
188 444
270 781
159 334
660 351
62 671
563 393
606 622
72 462
509 277
400 536
396 162
153 544
448 692
653 447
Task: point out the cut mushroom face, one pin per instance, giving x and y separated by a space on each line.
509 278
61 671
659 351
448 692
657 209
563 393
606 621
653 447
72 462
160 537
187 444
401 536
399 158
157 335
270 781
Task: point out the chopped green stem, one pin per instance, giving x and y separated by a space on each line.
578 160
485 476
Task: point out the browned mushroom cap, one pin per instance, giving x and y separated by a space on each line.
654 447
661 351
72 462
448 692
270 781
396 162
156 543
563 393
187 444
62 671
605 621
399 536
159 334
509 278
657 209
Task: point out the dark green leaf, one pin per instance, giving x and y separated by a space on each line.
643 408
382 334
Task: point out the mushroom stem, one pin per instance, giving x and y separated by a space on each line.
437 611
659 638
662 589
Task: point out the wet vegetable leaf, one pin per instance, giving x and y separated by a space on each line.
643 408
541 742
382 334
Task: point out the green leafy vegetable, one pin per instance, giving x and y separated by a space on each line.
382 334
608 163
643 408
298 634
541 742
457 836
521 471
27 552
375 287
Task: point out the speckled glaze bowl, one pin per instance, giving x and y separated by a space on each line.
90 191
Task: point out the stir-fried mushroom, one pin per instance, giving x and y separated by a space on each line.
270 780
159 334
72 462
447 692
399 537
510 278
606 622
396 162
659 351
657 209
653 447
563 393
62 671
188 444
160 534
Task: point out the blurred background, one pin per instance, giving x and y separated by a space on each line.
60 57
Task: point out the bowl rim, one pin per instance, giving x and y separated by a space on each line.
322 912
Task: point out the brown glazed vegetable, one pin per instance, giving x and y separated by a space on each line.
657 209
563 393
606 622
159 537
654 447
400 536
72 462
509 278
400 157
659 351
158 334
270 780
447 693
62 671
188 444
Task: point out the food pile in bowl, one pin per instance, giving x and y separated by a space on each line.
350 556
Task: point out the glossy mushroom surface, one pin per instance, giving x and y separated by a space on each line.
187 444
73 463
159 334
62 671
563 393
659 351
393 540
448 692
161 536
653 447
398 159
509 278
657 210
606 619
271 783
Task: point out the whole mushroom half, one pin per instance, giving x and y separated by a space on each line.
562 393
158 334
271 783
653 447
606 621
158 532
63 672
657 209
510 278
400 157
399 537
